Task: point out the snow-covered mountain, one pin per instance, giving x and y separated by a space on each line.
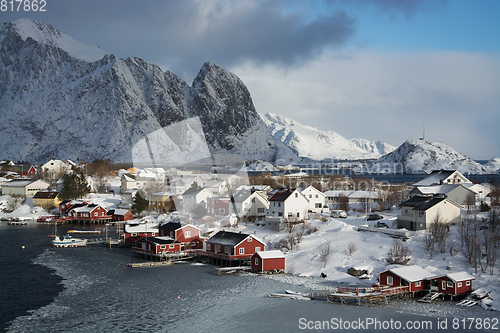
313 143
422 156
65 99
493 165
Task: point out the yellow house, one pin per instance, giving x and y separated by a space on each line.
46 200
162 201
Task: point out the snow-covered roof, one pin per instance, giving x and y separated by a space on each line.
411 273
270 254
458 276
21 182
141 227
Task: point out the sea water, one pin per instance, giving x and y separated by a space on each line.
90 289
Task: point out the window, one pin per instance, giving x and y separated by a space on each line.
449 284
208 246
163 247
467 283
279 204
133 235
296 195
443 285
310 196
222 211
260 210
227 249
153 234
257 248
250 238
217 248
459 284
187 234
242 250
95 214
316 196
418 284
389 280
256 261
318 205
171 246
171 234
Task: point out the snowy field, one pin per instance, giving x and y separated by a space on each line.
304 262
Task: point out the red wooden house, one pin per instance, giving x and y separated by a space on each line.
120 214
230 246
89 213
188 235
218 206
133 232
411 276
155 245
66 205
31 173
263 261
453 283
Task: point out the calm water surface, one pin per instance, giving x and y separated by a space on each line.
88 290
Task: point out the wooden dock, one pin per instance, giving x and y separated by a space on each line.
231 270
149 264
362 296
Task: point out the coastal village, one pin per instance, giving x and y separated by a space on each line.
379 240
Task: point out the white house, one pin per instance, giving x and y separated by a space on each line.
418 213
179 185
54 169
316 199
23 187
194 196
286 205
217 187
440 177
458 193
250 203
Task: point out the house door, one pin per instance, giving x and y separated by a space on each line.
434 285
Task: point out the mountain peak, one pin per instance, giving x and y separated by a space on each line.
423 156
48 35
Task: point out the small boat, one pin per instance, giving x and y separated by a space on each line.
84 231
17 223
69 241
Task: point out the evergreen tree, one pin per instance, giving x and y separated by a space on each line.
139 204
74 187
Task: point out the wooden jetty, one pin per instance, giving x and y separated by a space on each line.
149 264
362 296
164 258
231 270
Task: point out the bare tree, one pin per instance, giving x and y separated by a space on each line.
351 248
470 201
325 253
399 253
471 247
436 236
343 202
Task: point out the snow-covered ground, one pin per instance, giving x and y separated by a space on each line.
304 263
371 254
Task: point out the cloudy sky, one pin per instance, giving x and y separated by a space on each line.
375 69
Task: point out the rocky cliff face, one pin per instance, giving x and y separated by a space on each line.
61 98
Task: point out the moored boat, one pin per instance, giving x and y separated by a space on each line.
69 241
84 231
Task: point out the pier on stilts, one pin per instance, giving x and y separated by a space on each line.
362 296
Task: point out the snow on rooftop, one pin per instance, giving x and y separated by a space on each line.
270 254
412 273
460 276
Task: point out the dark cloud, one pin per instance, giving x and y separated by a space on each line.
184 34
